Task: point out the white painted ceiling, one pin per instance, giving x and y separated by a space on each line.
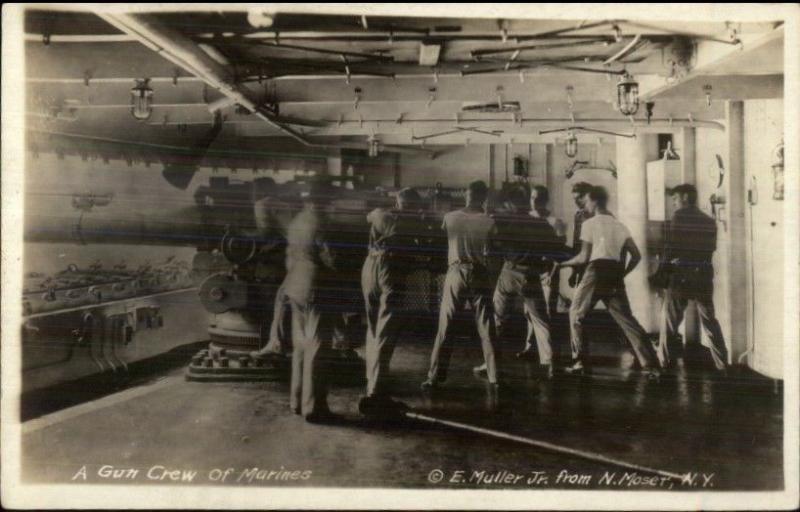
347 79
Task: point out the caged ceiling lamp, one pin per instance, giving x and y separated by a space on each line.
628 95
571 145
142 100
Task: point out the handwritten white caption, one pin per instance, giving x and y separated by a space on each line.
159 473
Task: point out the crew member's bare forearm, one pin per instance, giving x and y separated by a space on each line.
581 259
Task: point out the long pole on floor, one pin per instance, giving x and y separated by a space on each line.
596 457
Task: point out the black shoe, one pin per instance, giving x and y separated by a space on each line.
324 417
347 354
526 354
267 358
429 384
653 374
575 368
484 376
433 383
382 407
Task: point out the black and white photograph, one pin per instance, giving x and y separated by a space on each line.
400 256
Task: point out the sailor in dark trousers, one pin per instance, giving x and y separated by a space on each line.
540 197
690 244
529 245
393 242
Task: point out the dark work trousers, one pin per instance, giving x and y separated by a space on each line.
514 282
687 285
463 283
604 280
382 290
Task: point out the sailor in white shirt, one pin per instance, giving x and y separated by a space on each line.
469 233
606 245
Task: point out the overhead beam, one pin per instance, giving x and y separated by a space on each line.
716 59
734 87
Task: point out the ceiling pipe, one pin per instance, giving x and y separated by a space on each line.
182 51
113 80
629 48
81 38
528 122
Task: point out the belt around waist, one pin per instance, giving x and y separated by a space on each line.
692 264
524 267
461 263
605 263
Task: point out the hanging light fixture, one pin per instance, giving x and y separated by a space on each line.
707 91
571 145
142 100
777 173
628 95
373 147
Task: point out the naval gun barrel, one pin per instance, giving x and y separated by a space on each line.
179 227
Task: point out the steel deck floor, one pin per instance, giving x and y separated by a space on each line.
690 422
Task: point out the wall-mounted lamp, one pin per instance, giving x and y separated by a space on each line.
648 108
431 96
142 100
374 146
570 89
777 173
571 145
707 91
628 95
617 33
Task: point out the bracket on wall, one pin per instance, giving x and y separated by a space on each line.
581 165
590 130
458 129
